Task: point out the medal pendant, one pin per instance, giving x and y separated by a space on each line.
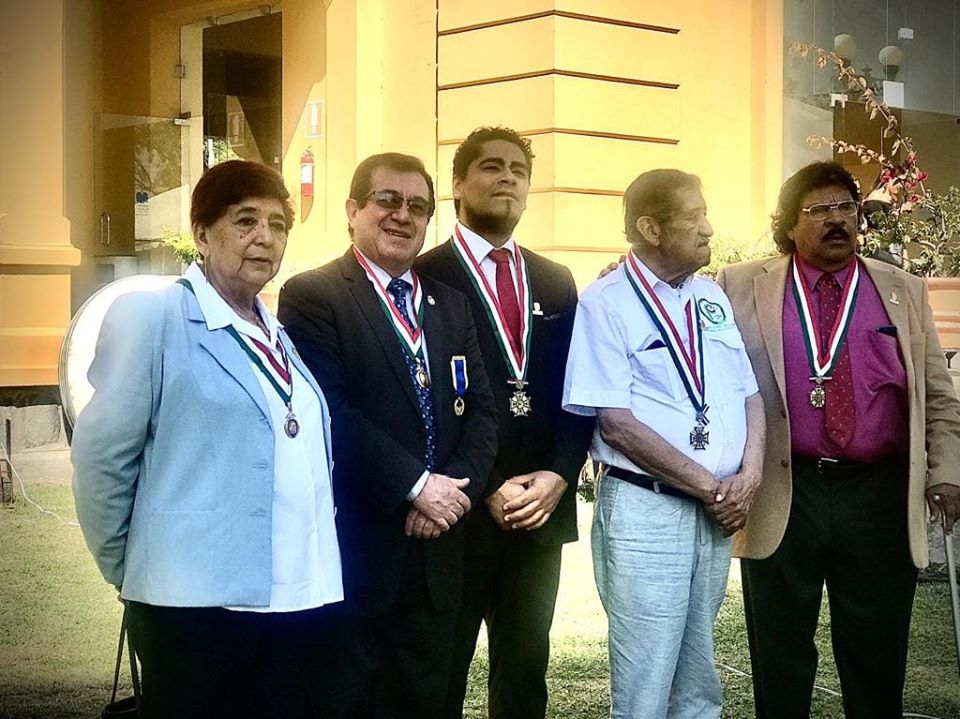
699 437
520 403
519 400
818 397
423 379
459 406
291 426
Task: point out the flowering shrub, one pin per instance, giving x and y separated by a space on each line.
182 245
924 222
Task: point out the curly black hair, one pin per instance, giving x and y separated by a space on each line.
812 177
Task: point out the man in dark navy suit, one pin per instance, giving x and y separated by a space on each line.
414 437
523 306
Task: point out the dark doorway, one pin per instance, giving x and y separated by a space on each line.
242 71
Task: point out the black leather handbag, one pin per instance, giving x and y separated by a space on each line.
129 707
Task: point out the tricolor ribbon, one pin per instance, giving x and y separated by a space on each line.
822 353
411 338
516 358
284 371
688 364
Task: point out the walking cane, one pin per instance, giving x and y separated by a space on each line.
954 595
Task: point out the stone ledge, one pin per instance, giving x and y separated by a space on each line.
36 255
36 426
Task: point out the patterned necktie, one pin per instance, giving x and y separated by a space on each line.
398 292
507 294
840 414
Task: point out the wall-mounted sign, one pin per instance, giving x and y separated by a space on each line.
235 129
314 125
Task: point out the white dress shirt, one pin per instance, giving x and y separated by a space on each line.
617 360
304 551
481 249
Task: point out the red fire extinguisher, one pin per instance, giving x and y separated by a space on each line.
306 174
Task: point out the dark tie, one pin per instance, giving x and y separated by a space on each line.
840 417
507 295
398 292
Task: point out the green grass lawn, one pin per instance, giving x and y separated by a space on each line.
59 622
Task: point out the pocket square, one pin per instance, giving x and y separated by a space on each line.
655 345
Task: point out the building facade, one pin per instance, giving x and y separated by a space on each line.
111 109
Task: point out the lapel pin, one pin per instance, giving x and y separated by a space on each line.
894 300
430 300
536 309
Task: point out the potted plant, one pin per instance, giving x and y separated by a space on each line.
182 244
907 221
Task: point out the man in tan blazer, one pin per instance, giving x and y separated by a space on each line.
863 435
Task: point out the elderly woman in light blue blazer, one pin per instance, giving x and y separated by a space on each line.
202 470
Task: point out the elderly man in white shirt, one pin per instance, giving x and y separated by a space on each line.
657 357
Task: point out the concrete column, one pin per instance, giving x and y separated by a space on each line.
35 250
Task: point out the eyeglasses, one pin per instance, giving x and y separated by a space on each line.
822 212
393 201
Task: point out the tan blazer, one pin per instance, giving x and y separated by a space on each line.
756 291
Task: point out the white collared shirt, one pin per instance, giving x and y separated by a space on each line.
385 277
481 249
305 557
618 360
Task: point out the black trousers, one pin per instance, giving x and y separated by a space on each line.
392 666
213 662
848 529
514 591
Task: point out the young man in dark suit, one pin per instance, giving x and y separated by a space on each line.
414 437
523 306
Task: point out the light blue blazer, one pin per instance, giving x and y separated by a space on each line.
173 457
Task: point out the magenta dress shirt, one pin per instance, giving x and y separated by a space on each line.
879 377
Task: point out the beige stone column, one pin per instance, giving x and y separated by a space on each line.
35 249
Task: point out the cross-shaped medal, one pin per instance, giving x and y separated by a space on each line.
699 437
520 400
818 395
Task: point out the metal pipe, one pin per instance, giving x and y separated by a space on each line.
954 596
6 466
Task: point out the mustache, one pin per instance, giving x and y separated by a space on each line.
837 232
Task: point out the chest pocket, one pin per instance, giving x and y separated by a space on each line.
654 368
877 363
724 352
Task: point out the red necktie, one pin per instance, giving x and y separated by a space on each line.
507 295
841 417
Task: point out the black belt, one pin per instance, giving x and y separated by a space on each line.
841 468
647 482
